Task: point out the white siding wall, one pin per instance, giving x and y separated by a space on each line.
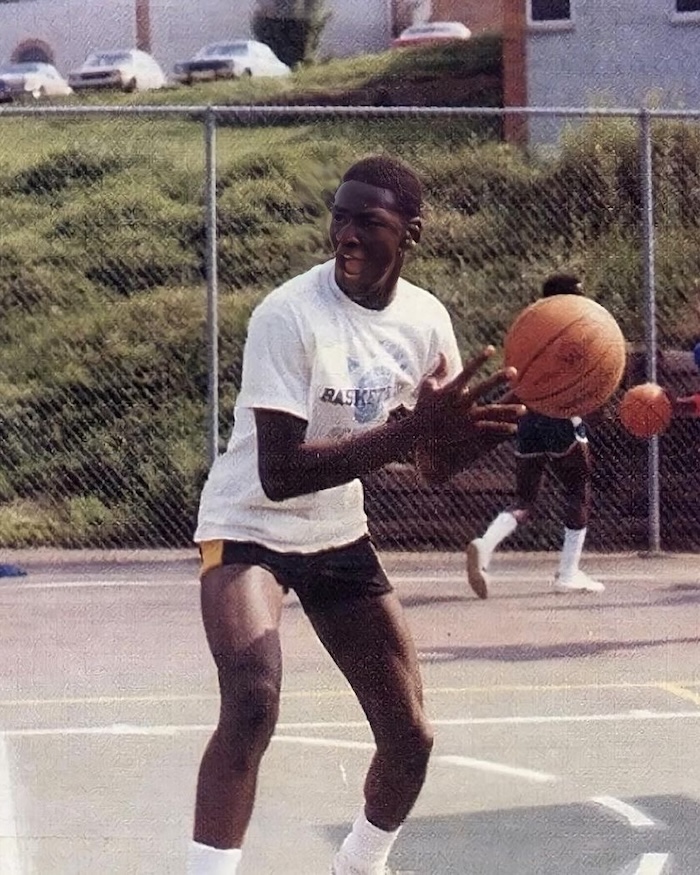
176 35
625 53
71 27
178 29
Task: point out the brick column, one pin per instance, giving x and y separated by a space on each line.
515 68
143 25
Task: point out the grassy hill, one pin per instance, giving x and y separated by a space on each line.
103 361
460 74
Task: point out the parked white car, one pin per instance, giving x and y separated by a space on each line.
125 69
31 79
229 60
431 33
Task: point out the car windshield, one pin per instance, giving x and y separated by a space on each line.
226 50
20 68
107 59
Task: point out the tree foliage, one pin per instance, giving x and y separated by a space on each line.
292 28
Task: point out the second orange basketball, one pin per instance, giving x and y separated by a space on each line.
645 410
569 353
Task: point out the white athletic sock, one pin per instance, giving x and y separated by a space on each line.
368 846
571 552
504 525
203 860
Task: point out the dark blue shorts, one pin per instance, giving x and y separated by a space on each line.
321 580
544 435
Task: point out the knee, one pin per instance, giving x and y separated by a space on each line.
418 746
249 706
522 514
411 747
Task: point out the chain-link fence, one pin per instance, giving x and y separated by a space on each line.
137 240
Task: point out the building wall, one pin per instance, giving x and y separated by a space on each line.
479 15
621 54
72 28
67 27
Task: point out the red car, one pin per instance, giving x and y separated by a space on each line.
431 32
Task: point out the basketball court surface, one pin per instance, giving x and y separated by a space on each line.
567 726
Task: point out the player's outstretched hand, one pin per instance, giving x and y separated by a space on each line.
684 407
457 424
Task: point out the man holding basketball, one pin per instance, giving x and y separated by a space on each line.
545 444
329 355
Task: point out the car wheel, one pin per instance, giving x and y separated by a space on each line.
247 74
39 93
130 86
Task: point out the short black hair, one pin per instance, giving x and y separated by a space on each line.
393 175
561 284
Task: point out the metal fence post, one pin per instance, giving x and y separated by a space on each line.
212 328
650 333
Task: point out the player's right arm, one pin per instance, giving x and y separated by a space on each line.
276 384
449 423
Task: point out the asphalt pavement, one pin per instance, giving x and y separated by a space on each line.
567 726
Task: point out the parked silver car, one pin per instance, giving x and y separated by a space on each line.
230 60
31 79
125 69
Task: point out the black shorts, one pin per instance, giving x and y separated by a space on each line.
538 434
321 580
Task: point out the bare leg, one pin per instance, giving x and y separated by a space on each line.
574 473
529 473
370 642
241 610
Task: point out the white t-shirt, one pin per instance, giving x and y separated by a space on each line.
314 353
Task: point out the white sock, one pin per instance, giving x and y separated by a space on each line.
571 552
203 860
504 525
369 846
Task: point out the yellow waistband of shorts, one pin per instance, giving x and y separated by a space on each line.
211 554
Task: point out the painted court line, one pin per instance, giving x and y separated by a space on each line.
534 576
651 864
10 863
671 687
335 743
682 691
175 728
632 815
497 768
465 762
102 584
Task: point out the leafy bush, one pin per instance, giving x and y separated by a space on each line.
103 364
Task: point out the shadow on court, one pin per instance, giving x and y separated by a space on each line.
534 653
553 840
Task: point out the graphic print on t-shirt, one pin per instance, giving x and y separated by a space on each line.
374 385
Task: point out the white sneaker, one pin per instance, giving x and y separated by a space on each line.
579 582
342 865
476 568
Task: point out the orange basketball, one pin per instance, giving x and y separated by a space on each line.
645 410
569 353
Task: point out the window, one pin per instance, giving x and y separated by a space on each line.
545 11
685 12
